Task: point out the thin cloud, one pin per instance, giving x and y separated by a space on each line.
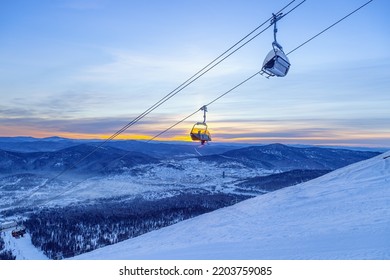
150 68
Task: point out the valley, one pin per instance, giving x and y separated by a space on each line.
128 188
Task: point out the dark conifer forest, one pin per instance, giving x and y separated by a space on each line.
72 230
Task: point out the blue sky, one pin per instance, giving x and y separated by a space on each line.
85 68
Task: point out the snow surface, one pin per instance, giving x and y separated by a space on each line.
140 180
341 215
158 179
22 247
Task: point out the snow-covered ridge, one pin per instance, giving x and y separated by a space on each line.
342 215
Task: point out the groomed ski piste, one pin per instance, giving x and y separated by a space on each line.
342 215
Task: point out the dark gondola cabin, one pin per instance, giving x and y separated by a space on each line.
276 63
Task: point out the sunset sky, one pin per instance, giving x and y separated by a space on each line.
85 68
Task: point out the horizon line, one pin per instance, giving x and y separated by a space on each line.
221 142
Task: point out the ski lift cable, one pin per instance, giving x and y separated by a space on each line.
178 89
252 76
230 51
172 126
190 115
329 27
196 76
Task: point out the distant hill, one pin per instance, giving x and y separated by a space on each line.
30 144
282 157
103 160
277 181
154 149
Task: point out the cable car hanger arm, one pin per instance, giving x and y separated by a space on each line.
274 20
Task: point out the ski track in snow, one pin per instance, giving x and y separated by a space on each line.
341 215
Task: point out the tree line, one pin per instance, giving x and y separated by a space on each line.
5 254
72 230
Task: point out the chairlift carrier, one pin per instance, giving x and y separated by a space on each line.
199 131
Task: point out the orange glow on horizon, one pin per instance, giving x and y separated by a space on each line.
226 135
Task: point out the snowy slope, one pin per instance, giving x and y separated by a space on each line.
22 248
342 215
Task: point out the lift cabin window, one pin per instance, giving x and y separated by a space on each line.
276 64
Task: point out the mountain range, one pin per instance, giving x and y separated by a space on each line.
86 169
97 160
74 177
